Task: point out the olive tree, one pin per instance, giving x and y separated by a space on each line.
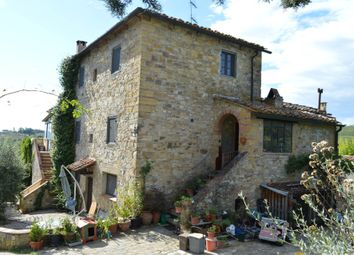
11 172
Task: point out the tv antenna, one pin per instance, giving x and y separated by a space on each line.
193 5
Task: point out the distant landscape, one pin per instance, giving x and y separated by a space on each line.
346 141
15 137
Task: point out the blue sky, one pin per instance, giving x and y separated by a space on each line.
312 48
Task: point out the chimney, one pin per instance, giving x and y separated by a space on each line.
80 46
323 107
274 98
320 91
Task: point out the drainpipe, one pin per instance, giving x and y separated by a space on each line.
336 138
252 82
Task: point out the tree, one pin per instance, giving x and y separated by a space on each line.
118 7
11 176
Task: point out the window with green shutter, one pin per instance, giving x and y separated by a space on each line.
115 59
277 136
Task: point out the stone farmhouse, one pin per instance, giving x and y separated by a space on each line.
188 99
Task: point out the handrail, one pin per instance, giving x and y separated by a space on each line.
284 193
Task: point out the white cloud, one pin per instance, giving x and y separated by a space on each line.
312 47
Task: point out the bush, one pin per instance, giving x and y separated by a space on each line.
297 163
36 233
11 176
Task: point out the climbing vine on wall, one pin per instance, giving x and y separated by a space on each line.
63 124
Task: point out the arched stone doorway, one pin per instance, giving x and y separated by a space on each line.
228 148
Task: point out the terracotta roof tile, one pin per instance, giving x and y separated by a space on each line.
141 11
288 110
81 164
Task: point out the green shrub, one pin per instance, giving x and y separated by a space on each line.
36 233
297 163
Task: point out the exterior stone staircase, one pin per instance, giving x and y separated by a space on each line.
46 165
211 194
41 173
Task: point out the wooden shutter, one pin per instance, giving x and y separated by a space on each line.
115 59
81 76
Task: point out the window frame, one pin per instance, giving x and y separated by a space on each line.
77 131
94 75
107 191
222 69
81 76
115 68
280 133
109 136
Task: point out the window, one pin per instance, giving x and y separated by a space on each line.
94 75
91 138
81 76
77 131
227 65
277 136
115 59
111 184
111 129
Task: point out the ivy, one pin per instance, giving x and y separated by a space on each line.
63 123
297 164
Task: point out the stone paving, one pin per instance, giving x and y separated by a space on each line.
16 220
158 240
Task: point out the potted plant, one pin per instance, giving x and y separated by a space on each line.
186 201
36 235
195 218
210 214
69 230
211 232
112 222
178 206
210 244
136 206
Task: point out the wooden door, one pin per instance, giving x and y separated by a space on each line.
89 192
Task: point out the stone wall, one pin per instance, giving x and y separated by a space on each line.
117 95
13 238
177 115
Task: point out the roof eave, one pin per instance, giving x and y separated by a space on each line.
139 11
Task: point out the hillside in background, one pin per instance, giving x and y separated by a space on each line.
347 131
346 141
17 136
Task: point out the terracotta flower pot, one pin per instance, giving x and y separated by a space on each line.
36 245
155 217
195 220
124 226
147 217
178 209
113 229
211 235
210 244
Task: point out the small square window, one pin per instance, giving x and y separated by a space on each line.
91 138
94 75
111 184
227 64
